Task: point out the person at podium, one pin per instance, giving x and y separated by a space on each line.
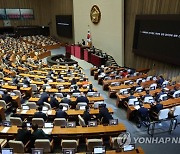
83 42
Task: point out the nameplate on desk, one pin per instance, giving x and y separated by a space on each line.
24 111
5 130
47 130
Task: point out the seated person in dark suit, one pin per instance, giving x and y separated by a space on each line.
82 98
14 114
104 114
40 114
86 115
65 99
6 97
131 95
37 134
171 92
15 81
142 114
26 81
161 93
147 94
23 134
60 76
60 113
83 42
54 102
73 81
160 80
44 97
90 88
69 72
76 89
156 107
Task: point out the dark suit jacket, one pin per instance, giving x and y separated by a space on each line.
44 98
7 98
40 115
38 134
143 112
86 117
82 99
156 108
54 102
61 114
26 82
105 115
23 135
66 100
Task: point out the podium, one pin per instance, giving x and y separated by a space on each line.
77 51
72 49
87 55
97 60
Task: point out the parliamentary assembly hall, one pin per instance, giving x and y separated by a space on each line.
90 76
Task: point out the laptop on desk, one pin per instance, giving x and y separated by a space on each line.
37 150
25 107
48 125
99 150
92 123
7 151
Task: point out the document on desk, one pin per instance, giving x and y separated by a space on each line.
47 130
24 111
49 112
5 129
44 112
136 107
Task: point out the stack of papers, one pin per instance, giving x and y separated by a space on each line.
5 130
24 111
47 130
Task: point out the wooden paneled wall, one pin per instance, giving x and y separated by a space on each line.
134 7
41 11
60 7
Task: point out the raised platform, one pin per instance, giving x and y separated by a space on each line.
61 60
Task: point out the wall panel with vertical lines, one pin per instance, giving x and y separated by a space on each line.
134 7
41 9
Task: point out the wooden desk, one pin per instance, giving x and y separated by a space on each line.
6 71
85 131
27 90
113 89
108 82
73 99
92 69
32 76
68 90
35 99
2 114
70 112
120 97
100 130
166 104
127 152
95 99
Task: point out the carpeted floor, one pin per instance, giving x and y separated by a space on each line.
155 148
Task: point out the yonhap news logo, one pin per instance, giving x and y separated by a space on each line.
125 139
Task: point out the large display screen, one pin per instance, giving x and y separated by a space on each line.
27 13
2 14
13 13
64 25
158 37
